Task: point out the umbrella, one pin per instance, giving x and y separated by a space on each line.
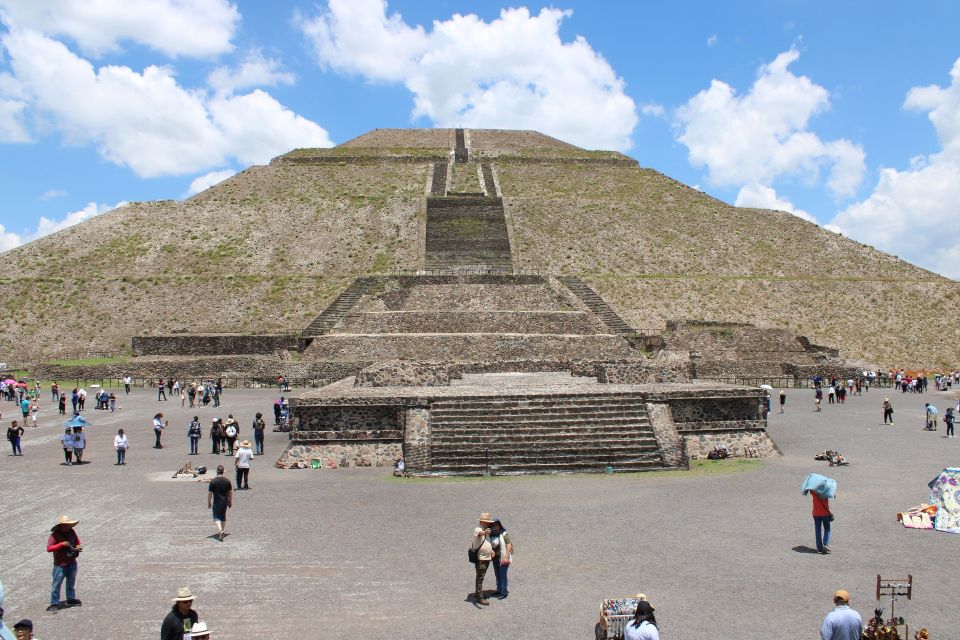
77 421
767 387
22 385
9 381
820 485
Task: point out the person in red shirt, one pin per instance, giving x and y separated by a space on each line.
65 546
821 522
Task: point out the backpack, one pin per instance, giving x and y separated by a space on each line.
195 428
231 431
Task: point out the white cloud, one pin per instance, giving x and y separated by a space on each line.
763 135
46 226
763 197
712 40
207 180
53 193
653 109
512 72
196 28
913 213
147 121
255 71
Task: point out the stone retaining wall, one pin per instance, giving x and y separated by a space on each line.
212 344
348 419
403 373
555 322
644 372
348 454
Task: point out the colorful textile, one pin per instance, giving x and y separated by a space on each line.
820 485
946 497
919 517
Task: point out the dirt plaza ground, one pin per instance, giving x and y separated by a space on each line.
723 552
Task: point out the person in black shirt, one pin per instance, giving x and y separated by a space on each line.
258 427
181 618
219 499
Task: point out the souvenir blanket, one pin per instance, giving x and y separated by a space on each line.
946 497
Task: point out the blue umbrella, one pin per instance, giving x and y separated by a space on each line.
77 421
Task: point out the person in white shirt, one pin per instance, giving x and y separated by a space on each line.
120 444
644 624
241 461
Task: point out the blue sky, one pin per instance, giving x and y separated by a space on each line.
847 114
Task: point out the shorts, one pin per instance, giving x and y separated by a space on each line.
220 512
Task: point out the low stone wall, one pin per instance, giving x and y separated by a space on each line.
672 450
644 372
248 367
738 369
557 322
346 419
467 347
699 444
348 454
211 345
704 410
398 373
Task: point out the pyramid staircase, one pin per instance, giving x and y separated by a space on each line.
341 306
597 305
558 433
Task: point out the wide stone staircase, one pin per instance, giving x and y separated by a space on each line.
341 306
542 434
597 305
438 186
466 233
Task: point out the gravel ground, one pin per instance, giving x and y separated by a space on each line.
357 553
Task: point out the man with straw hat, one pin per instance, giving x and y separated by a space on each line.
484 555
179 623
65 546
241 461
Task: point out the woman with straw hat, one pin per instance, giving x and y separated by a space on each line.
242 461
180 621
484 555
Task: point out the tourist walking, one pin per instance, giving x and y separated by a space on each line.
215 432
483 554
821 522
949 419
66 440
161 390
14 433
194 432
259 426
219 499
34 412
127 381
242 463
783 399
113 402
887 411
843 623
231 431
65 546
502 556
179 622
158 426
54 392
831 392
644 624
79 444
25 410
81 399
121 444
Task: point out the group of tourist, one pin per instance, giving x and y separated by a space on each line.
491 544
198 394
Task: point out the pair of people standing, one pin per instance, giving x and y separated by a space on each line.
491 544
74 442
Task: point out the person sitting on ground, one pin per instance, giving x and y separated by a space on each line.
399 468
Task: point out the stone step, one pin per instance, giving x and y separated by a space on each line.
546 467
546 409
518 454
546 445
537 422
570 433
624 400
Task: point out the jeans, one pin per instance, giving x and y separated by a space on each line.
59 573
258 442
243 477
15 444
194 445
949 429
823 539
158 445
121 456
126 388
481 568
500 572
887 415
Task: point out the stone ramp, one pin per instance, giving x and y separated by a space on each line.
542 434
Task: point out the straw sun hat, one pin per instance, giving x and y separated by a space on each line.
183 594
65 521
